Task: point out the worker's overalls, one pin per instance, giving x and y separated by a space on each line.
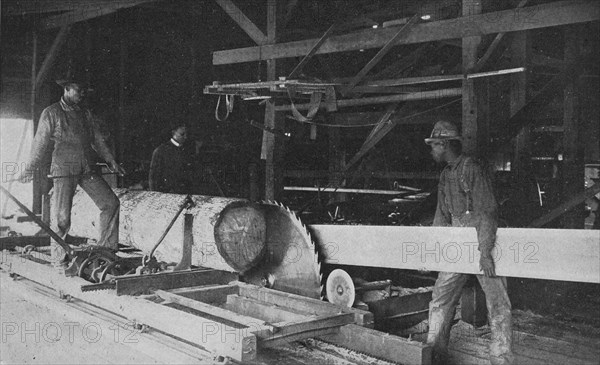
71 131
465 199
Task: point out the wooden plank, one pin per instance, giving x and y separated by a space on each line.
92 11
310 328
243 21
382 345
388 99
549 254
302 304
135 285
256 326
531 17
214 294
266 311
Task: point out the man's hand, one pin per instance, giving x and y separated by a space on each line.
115 167
486 264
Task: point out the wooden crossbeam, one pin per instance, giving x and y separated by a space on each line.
382 52
494 45
92 11
423 95
311 53
531 17
243 21
377 133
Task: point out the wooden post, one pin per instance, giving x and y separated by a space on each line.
518 97
470 46
270 139
573 164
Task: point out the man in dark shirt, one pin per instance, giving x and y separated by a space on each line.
169 168
466 199
73 133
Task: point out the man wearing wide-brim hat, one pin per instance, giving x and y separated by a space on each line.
466 199
69 133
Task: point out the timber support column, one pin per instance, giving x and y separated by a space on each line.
573 164
271 142
470 46
520 50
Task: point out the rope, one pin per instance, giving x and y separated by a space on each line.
228 107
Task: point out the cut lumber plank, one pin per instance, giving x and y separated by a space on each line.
309 328
549 254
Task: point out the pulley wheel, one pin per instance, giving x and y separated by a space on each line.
340 288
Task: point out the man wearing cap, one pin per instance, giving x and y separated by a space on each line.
72 132
466 199
169 167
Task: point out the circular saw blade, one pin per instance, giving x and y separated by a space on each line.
340 288
291 263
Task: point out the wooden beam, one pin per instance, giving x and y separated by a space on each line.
532 17
243 21
255 325
270 140
547 254
566 206
57 44
91 12
311 53
377 133
573 180
382 52
470 95
494 45
520 51
423 95
44 6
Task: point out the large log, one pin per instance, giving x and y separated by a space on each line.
229 234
